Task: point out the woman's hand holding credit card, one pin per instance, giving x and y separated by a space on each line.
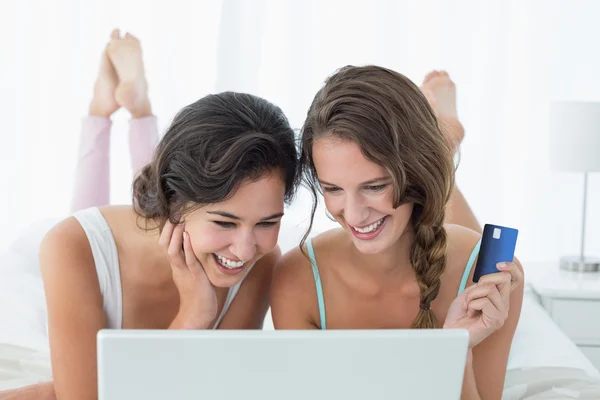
483 307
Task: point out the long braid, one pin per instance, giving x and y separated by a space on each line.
428 257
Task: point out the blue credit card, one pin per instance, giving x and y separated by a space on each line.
497 245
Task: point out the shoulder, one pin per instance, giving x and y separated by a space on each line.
460 245
65 252
295 266
294 295
292 269
71 283
461 242
66 237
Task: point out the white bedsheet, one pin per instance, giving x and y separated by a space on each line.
539 342
24 355
540 354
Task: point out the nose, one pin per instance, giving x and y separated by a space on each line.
244 245
356 211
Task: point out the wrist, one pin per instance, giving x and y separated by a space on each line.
188 324
191 320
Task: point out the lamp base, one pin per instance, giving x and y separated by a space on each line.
576 263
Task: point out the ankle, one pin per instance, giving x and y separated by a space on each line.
453 131
96 109
141 110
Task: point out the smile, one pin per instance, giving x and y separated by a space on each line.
369 232
369 228
228 263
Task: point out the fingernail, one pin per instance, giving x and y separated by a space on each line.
186 236
501 265
465 305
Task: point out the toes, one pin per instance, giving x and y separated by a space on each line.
115 34
430 75
446 76
130 36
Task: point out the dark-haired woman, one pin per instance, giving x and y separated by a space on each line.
373 145
197 247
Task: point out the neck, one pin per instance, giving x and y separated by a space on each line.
394 261
149 236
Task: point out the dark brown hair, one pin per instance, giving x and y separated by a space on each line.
388 117
210 148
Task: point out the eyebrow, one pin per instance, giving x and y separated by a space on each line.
369 182
228 215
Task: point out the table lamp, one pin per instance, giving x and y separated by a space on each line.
575 147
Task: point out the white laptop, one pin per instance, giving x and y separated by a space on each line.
281 365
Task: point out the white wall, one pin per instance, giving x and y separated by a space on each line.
508 58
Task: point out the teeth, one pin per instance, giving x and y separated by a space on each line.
369 228
227 263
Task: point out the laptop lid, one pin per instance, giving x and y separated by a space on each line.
275 365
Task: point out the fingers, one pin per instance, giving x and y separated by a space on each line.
486 298
490 291
489 312
190 257
165 236
501 279
517 277
482 290
175 249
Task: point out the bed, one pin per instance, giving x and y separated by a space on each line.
544 363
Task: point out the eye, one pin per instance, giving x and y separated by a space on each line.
330 189
268 224
224 224
376 188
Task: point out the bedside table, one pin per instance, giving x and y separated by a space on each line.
573 301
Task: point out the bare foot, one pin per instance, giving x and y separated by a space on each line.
440 91
104 103
132 91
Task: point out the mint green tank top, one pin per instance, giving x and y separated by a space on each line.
319 286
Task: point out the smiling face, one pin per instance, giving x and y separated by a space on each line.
230 236
359 195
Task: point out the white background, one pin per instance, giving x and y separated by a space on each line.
508 59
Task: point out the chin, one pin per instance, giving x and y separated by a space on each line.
371 248
221 280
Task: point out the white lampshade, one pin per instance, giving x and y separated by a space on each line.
575 136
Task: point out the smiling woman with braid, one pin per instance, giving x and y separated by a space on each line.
373 145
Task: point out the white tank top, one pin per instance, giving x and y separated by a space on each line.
106 258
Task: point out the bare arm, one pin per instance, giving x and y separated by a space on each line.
484 378
458 212
75 310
